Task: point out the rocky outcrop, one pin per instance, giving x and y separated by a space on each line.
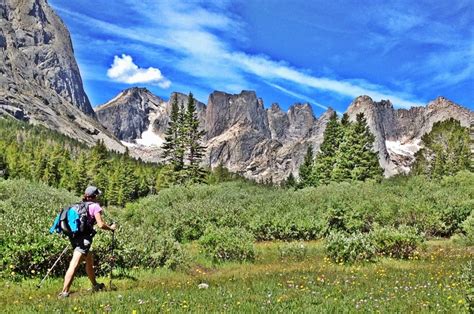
268 144
263 144
137 116
225 111
127 115
398 132
37 47
39 78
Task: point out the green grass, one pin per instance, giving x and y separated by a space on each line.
270 284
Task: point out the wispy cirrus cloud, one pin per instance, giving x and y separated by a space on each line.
200 36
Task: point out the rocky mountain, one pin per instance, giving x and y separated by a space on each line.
40 83
39 77
268 144
398 132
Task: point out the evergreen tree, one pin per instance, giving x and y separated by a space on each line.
345 120
355 159
446 150
165 178
3 161
326 158
79 177
173 146
290 182
97 169
193 138
51 174
306 168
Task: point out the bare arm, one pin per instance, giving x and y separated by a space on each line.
102 224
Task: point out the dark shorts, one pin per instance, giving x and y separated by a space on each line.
81 243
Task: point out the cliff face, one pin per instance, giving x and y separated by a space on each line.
240 133
39 78
269 144
127 115
398 131
40 83
36 46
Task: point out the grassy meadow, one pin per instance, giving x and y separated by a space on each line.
272 283
259 249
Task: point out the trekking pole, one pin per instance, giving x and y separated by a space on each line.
50 269
112 262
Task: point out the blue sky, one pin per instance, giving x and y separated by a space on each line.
322 52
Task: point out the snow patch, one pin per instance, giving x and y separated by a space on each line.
149 137
128 144
405 149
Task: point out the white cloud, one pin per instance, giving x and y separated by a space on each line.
186 30
123 70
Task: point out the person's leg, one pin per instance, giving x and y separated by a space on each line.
90 268
75 261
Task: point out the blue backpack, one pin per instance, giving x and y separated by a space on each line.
73 220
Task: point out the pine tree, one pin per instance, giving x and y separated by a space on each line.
290 182
446 150
79 174
326 158
355 159
97 169
173 146
51 174
193 138
306 169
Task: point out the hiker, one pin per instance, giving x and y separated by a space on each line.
82 242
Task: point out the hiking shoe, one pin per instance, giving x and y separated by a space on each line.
98 287
63 295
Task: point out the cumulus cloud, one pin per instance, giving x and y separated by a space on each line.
124 70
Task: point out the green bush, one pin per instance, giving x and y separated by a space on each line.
224 244
403 242
295 250
348 248
27 211
467 238
467 280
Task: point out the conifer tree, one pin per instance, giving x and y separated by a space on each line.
326 158
97 169
79 175
446 150
290 182
3 161
173 146
50 174
306 168
355 159
193 138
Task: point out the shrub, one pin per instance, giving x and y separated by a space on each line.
348 248
27 211
295 250
225 243
467 238
398 243
467 280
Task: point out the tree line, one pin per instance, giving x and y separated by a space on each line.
347 153
38 154
41 155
